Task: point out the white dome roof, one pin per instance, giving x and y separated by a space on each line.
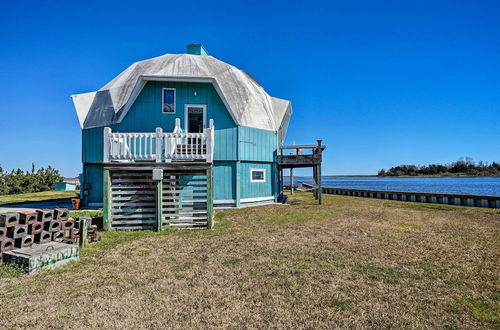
247 102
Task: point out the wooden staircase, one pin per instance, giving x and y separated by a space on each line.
135 201
132 200
185 200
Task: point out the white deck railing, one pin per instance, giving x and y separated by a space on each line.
159 146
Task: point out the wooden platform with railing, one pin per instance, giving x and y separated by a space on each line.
154 180
303 156
159 146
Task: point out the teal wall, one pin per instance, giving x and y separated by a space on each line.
257 144
196 49
93 175
232 143
224 184
92 144
256 189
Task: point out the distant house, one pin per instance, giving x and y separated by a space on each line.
65 186
182 120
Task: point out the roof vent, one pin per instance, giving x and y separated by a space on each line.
196 49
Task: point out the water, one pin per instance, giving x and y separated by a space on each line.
475 186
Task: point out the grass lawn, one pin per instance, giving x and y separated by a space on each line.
352 262
36 197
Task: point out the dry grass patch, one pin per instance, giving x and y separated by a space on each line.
351 262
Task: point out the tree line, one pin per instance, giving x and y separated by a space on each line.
36 180
464 167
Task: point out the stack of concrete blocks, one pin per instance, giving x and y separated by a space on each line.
54 226
23 229
15 230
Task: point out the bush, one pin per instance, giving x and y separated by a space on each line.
18 181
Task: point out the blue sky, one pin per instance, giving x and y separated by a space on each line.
382 82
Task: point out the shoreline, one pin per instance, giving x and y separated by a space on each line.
393 177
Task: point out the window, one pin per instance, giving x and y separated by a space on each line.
168 100
257 175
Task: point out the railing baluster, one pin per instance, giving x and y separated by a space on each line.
137 145
128 145
167 145
196 145
116 141
122 142
150 146
134 138
190 145
111 147
132 149
140 146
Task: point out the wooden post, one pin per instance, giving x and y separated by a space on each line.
280 172
159 142
315 178
210 198
275 177
291 181
320 189
106 207
106 149
280 185
83 224
159 205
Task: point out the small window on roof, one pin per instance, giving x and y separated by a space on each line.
257 175
168 100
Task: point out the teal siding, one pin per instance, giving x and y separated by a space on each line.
92 144
257 189
93 175
196 49
224 185
257 144
146 115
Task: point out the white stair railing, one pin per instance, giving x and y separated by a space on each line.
159 146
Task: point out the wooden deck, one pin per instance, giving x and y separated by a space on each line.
303 156
159 146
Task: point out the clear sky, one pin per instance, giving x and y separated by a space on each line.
382 82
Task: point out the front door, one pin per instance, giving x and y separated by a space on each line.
195 118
